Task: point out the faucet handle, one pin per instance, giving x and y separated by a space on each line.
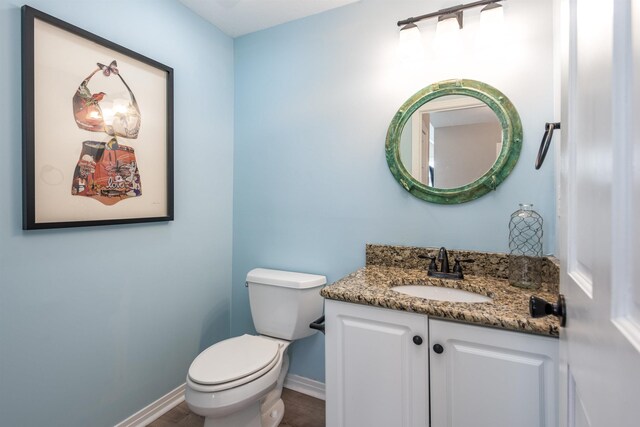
432 265
457 268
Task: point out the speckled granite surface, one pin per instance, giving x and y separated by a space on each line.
490 264
508 310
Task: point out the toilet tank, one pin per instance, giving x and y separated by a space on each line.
283 303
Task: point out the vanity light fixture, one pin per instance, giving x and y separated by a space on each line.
451 16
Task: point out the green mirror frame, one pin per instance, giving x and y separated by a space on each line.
506 161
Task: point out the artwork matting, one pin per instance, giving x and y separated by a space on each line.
97 129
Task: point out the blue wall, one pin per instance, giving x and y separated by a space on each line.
96 323
313 102
82 343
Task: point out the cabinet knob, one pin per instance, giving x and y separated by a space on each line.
438 348
417 339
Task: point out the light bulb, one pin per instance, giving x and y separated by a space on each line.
410 43
492 16
491 29
448 35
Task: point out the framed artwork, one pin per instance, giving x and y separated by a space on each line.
97 129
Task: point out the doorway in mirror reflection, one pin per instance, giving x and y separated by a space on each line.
451 141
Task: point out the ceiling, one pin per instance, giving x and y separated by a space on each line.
238 17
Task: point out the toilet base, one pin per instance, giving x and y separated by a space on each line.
273 416
253 416
248 417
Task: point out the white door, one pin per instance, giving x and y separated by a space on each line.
600 214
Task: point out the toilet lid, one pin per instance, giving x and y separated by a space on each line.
232 359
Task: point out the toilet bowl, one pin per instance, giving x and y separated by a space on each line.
238 382
236 397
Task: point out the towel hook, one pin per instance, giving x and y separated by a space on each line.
546 141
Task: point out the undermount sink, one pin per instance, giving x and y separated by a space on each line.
440 293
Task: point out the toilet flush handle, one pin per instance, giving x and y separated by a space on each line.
318 324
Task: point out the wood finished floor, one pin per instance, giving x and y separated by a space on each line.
300 410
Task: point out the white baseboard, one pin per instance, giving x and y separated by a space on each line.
305 386
156 409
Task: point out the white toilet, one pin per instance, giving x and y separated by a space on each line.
238 382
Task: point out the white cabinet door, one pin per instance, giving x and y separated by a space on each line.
491 378
376 375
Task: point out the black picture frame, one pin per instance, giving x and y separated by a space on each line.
41 212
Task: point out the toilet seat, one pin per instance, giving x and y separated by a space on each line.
234 362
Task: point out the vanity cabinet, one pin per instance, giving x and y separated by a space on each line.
491 377
377 367
394 368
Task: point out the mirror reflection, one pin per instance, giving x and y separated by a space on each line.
450 141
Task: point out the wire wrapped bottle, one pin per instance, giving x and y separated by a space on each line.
525 248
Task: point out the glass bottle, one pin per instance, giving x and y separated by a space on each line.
525 248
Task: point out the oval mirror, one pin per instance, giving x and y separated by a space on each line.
454 141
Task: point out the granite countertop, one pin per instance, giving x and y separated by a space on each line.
508 310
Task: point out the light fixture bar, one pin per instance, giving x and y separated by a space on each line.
447 11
